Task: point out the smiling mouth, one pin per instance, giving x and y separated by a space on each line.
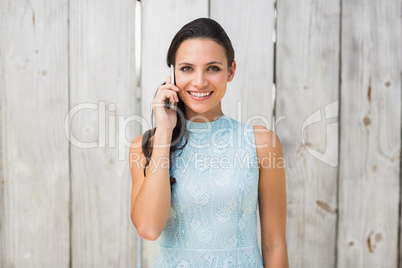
200 95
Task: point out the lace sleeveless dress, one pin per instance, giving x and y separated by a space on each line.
213 219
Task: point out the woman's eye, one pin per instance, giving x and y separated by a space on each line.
188 68
214 68
185 68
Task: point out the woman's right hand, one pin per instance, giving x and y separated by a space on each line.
165 118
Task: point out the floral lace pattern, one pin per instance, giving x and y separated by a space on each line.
213 220
246 257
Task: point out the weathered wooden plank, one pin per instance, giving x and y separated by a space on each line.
369 186
307 62
248 98
250 93
34 160
160 22
103 77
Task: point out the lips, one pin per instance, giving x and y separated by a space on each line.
201 98
199 91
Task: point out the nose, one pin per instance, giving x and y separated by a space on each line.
200 80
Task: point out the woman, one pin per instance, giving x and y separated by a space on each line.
197 176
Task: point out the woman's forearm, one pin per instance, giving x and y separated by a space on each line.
276 257
152 205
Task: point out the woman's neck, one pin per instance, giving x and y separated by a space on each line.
208 116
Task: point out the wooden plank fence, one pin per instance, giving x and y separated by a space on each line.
34 153
324 75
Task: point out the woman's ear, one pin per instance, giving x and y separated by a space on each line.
232 71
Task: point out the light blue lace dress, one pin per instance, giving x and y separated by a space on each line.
213 220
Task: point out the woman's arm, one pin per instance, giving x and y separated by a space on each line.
151 195
272 198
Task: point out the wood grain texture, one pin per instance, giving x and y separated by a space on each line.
369 186
34 153
248 97
307 71
330 56
161 20
102 73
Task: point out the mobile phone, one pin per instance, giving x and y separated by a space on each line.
172 74
168 104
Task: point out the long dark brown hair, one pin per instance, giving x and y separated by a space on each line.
203 28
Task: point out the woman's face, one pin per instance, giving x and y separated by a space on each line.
201 66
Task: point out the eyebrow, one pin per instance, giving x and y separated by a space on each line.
212 62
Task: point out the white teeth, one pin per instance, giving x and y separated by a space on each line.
200 94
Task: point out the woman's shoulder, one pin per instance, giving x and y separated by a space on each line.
267 143
136 145
264 136
137 142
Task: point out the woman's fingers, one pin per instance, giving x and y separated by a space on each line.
167 94
172 86
173 96
167 91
